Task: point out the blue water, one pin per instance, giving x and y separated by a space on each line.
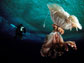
32 14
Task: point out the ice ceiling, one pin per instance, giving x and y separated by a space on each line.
32 14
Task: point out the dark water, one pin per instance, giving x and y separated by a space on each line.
28 51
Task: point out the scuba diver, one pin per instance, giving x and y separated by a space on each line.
20 30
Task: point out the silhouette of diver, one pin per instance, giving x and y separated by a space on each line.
19 31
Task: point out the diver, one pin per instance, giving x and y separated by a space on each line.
20 30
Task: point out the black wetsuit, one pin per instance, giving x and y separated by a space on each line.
19 31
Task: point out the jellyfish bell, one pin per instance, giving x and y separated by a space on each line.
54 7
62 18
75 23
